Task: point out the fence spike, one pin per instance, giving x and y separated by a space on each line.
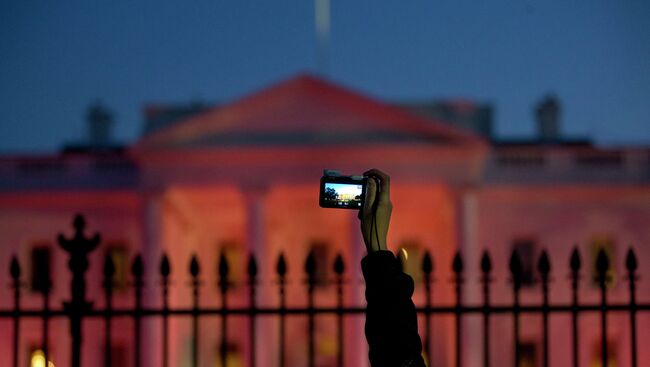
137 268
109 267
281 267
339 265
516 267
252 267
630 261
427 263
223 272
165 267
602 262
631 265
43 282
544 264
486 262
457 264
575 262
14 268
310 264
195 269
224 268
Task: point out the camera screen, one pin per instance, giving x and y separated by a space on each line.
343 195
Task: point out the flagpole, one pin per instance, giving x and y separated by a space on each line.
322 24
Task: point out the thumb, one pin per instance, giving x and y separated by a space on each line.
371 196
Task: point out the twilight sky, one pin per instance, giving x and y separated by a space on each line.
58 57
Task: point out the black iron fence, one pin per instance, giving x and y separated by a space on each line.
79 308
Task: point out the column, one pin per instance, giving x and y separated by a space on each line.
471 251
266 339
150 249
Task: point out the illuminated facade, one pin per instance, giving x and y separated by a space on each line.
244 178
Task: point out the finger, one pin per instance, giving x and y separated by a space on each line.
384 193
371 194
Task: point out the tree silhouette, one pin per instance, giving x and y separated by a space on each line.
330 194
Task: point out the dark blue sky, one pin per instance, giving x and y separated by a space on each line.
58 57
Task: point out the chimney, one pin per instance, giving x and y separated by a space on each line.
548 113
99 121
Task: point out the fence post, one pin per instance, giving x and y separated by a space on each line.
252 282
223 288
165 271
575 265
339 269
194 271
602 266
631 265
310 270
14 271
457 267
137 270
544 268
281 270
486 268
78 247
516 270
43 284
109 272
427 269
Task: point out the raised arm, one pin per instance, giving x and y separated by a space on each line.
391 321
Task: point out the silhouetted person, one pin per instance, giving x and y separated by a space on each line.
391 321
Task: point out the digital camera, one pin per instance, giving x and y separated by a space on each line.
342 192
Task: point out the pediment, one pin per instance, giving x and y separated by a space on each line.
304 111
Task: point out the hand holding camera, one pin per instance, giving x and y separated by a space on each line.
377 208
370 194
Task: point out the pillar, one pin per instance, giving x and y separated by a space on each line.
471 251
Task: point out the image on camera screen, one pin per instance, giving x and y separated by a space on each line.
343 195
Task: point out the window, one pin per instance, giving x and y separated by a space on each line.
113 165
526 247
520 159
41 261
600 159
327 347
596 357
119 254
320 249
606 243
234 357
41 167
410 255
527 354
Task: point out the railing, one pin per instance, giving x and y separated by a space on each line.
79 308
